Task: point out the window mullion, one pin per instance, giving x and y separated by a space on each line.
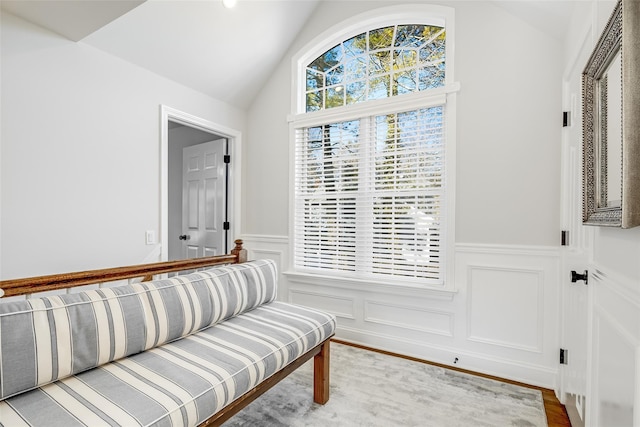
364 203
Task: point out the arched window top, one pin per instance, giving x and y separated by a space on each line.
376 64
378 54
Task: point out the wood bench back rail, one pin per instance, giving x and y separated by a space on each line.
13 287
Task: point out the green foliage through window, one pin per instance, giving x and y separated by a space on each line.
377 64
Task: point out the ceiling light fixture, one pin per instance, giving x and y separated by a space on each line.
229 3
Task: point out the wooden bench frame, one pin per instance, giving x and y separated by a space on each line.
320 353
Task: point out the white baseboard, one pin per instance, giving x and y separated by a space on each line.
539 376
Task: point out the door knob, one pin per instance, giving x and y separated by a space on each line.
184 237
577 276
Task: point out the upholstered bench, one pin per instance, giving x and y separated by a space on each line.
172 352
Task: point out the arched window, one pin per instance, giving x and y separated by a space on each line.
373 149
376 64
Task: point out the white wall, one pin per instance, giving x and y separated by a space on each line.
80 170
509 123
503 317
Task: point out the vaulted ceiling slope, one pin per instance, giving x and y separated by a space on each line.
550 16
72 19
225 53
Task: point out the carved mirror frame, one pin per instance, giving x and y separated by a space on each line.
621 34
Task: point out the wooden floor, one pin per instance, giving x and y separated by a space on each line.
556 412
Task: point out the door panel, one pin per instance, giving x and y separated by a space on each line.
191 251
574 339
574 256
212 216
193 198
203 199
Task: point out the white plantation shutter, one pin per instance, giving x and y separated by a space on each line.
369 197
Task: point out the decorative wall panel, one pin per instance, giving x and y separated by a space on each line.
615 351
505 307
409 317
339 306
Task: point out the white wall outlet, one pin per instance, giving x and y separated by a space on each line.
150 237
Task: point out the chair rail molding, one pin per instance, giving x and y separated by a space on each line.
486 248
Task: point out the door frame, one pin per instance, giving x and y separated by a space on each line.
235 169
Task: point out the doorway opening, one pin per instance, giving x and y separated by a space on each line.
200 175
198 178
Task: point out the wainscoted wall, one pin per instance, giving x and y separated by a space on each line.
502 318
613 385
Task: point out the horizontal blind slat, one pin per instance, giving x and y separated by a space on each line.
370 195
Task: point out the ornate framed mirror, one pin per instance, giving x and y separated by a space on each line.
611 123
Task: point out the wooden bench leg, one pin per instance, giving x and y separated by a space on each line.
321 375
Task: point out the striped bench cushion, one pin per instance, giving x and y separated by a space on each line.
50 338
180 383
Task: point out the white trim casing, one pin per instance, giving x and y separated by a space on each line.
235 169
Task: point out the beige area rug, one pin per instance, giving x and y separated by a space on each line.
372 389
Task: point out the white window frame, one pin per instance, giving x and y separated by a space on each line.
378 18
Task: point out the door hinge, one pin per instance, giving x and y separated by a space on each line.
564 239
564 356
227 158
225 225
566 119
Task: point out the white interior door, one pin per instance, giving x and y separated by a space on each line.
203 199
575 301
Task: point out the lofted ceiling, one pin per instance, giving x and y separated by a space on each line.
73 19
550 16
225 53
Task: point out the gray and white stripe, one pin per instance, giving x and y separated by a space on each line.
181 383
50 338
